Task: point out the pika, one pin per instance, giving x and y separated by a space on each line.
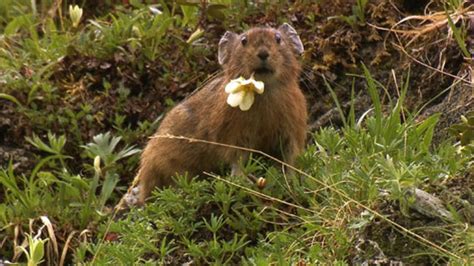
275 124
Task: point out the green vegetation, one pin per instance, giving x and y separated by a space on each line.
358 14
79 99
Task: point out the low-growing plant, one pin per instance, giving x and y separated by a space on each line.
464 130
35 252
358 14
75 200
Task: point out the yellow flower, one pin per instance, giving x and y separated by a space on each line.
75 13
242 92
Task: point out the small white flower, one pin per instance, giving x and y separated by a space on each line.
75 13
242 92
155 11
97 165
136 31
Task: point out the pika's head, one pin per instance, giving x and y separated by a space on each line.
270 54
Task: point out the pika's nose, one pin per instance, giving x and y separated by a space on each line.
263 55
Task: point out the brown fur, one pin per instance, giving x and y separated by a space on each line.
275 124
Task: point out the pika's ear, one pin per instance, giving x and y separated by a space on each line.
293 37
225 45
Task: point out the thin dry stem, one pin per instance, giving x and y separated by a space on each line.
52 235
66 246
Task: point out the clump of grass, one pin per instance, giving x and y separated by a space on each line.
358 14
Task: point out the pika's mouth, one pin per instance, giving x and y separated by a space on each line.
263 70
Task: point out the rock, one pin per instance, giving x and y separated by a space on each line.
428 205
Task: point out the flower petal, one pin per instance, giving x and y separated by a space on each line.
258 86
233 86
246 81
234 99
247 101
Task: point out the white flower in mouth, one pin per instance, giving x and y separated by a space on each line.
75 13
242 92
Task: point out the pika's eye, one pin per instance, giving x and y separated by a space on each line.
244 40
278 37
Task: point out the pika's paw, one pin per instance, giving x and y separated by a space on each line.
131 198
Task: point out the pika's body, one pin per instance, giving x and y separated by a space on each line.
275 124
